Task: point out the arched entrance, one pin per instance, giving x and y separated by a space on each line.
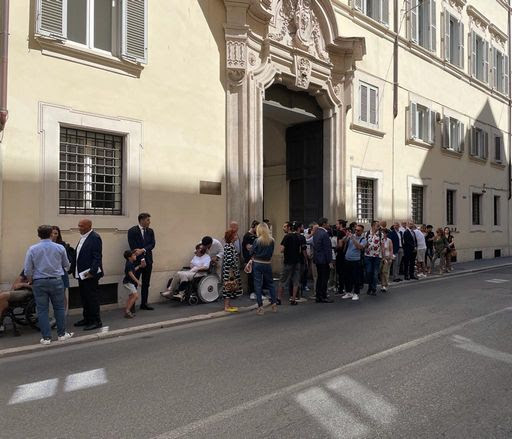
293 43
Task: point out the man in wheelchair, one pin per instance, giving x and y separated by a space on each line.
199 266
21 291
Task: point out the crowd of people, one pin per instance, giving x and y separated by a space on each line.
339 259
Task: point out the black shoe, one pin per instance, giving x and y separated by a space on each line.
324 300
293 302
147 307
92 326
80 323
415 278
406 278
397 280
278 301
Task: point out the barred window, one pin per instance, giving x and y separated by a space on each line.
90 172
476 209
450 207
417 204
365 200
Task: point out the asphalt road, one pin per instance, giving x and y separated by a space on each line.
428 361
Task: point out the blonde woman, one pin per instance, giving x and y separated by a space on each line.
261 253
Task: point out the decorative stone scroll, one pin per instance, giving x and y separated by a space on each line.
236 54
296 24
302 72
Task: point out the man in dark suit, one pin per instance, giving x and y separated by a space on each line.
394 235
322 258
142 239
87 267
410 245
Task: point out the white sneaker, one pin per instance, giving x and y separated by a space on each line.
2 328
384 289
252 296
180 295
347 296
355 297
307 289
45 341
66 336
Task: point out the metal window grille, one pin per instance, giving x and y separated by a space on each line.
476 209
90 172
450 207
417 204
365 200
496 210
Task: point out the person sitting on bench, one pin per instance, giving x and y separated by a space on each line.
199 266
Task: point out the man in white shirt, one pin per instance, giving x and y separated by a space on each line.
216 251
199 266
421 251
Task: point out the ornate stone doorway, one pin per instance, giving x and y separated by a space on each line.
294 43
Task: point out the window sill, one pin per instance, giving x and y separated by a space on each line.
498 165
367 130
420 143
66 50
454 69
477 229
452 153
497 229
478 159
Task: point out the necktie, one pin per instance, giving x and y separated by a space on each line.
401 238
414 238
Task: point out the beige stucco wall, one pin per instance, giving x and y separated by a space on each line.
179 103
179 100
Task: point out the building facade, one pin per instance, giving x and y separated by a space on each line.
205 111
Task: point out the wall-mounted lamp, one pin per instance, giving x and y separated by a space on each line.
483 189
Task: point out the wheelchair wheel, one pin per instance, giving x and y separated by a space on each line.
31 316
18 315
193 300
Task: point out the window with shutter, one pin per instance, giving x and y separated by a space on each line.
134 40
432 127
462 137
369 104
462 38
363 115
94 24
498 142
447 30
486 62
432 26
413 20
446 133
485 149
51 18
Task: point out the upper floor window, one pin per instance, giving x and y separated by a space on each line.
90 172
376 9
422 123
479 57
422 17
117 27
369 104
499 71
479 143
498 148
453 40
454 134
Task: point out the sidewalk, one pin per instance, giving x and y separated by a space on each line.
170 313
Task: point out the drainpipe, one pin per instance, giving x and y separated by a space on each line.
4 46
509 105
395 106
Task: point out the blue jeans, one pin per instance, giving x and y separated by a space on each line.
44 291
372 272
262 274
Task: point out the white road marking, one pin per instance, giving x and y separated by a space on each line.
373 405
470 346
497 281
265 399
34 391
84 380
330 414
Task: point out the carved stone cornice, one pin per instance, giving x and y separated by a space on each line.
458 4
498 34
477 17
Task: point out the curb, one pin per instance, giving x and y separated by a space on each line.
10 352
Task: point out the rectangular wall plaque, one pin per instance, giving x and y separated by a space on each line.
210 188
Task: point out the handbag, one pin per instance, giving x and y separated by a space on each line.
231 284
248 267
453 253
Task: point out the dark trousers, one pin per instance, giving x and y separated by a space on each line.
352 270
322 280
409 262
90 296
146 278
340 273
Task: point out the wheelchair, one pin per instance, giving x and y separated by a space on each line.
202 288
23 312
